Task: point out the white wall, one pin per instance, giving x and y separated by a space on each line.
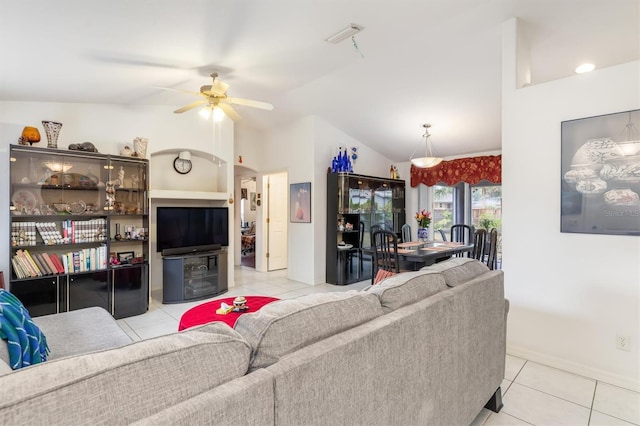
570 294
304 149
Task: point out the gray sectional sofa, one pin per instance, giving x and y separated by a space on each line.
425 347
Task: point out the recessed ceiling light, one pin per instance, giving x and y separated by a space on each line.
585 68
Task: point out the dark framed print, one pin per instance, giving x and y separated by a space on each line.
125 257
600 182
300 202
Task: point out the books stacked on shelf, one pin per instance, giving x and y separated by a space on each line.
23 233
33 265
49 233
85 231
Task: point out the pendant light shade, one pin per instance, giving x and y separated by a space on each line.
429 160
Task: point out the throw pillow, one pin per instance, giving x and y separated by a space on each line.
407 288
382 275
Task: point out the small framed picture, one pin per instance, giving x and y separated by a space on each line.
300 202
124 257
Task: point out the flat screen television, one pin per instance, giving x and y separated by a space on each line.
190 229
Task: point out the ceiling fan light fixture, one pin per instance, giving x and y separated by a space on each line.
218 114
344 33
205 112
429 160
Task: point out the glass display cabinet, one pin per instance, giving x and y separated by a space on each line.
354 204
77 221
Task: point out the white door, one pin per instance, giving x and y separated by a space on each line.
277 221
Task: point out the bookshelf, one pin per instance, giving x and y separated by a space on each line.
79 231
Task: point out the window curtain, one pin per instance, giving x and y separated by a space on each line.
470 170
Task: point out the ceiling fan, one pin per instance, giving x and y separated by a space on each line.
215 98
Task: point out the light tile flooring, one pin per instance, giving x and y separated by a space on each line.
533 394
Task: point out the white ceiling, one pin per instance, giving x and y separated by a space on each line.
419 61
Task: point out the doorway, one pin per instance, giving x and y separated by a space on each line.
276 220
248 217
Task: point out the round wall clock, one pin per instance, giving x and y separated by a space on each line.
182 166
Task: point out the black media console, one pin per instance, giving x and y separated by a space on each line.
193 276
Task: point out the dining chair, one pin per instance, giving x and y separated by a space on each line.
443 235
461 233
492 260
359 251
406 233
479 240
385 253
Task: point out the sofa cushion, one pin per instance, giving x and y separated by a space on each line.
122 385
285 326
407 288
90 329
458 270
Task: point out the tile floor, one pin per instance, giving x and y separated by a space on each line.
533 394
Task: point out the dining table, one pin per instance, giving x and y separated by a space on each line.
417 254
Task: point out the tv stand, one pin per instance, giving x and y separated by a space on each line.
194 276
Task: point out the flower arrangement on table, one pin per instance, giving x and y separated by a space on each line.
424 218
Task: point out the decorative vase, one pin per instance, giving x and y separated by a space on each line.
52 130
423 234
30 135
140 147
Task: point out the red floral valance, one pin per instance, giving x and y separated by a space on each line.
470 170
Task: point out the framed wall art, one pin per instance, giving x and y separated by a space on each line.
300 202
600 182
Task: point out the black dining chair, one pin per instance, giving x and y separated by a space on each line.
461 233
385 253
359 251
492 251
479 241
443 235
406 233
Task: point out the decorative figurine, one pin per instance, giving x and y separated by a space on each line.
240 304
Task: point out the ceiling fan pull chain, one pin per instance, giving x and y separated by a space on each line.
355 46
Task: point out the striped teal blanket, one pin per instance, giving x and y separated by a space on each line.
27 345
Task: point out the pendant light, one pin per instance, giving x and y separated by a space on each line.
428 160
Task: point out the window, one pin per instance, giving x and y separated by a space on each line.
478 205
442 212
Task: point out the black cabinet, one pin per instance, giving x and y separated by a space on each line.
354 204
77 221
40 296
194 276
88 289
130 292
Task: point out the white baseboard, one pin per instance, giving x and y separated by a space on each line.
573 367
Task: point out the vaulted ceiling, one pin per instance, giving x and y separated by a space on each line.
416 61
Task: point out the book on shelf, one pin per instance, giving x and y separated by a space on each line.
17 269
44 270
26 263
50 264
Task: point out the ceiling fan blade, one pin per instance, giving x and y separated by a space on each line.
188 92
190 106
249 103
230 112
219 88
